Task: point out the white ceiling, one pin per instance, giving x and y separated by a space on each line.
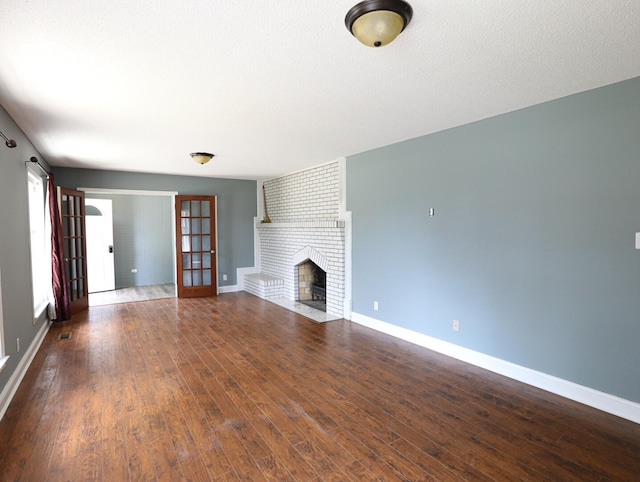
275 86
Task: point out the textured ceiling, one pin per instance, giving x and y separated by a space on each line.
272 87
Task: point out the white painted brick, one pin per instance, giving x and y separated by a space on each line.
308 202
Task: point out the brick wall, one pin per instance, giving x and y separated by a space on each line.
308 195
304 210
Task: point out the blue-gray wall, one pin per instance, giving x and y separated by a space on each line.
142 239
236 206
532 242
15 264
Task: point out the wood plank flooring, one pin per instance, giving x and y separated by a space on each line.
134 293
237 388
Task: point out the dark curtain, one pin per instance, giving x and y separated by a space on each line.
60 292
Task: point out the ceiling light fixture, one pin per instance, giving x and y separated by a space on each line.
10 143
376 23
201 157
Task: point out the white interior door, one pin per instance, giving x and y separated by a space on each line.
100 256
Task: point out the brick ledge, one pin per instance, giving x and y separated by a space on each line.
302 224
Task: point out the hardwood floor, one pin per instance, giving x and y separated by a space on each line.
235 387
135 293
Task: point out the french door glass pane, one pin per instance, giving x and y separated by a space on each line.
195 226
196 260
184 225
186 278
186 244
206 210
186 261
206 243
206 226
207 276
195 208
184 209
206 260
195 243
197 278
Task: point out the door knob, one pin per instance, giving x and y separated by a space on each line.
213 251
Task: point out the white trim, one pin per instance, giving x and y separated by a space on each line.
579 393
346 217
174 245
348 265
141 192
228 289
136 192
14 382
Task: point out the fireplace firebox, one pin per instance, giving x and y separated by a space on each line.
312 285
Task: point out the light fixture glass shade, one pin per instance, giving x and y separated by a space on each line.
201 157
377 22
377 28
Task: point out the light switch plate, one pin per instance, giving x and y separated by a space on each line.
637 240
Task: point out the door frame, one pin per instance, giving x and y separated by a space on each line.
102 205
140 192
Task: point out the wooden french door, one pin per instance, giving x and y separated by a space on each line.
196 246
75 247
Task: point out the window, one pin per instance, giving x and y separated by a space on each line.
40 267
3 358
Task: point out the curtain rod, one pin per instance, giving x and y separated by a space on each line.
10 143
34 160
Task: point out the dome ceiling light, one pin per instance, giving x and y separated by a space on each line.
376 23
201 157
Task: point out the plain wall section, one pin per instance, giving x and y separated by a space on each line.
142 239
236 201
532 242
15 254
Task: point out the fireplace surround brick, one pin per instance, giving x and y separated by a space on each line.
304 209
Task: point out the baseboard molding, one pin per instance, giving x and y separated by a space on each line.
227 289
602 401
14 382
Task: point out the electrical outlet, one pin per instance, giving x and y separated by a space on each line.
456 325
18 345
375 305
224 277
134 270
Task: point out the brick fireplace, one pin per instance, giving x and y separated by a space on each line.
308 225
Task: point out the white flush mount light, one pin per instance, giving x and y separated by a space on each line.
201 157
376 23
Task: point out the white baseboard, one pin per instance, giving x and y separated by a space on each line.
579 393
14 382
227 289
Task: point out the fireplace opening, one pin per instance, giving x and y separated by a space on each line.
312 285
